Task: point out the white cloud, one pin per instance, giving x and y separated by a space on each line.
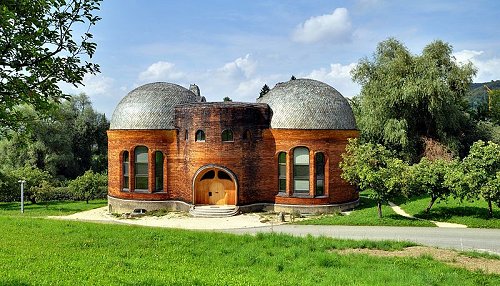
241 66
160 71
331 27
487 68
338 76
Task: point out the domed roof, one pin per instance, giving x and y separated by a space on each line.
150 106
308 104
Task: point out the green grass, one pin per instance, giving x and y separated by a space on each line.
36 251
366 214
48 209
472 214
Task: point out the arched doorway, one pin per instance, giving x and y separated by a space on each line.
214 185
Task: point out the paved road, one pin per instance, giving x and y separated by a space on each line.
457 238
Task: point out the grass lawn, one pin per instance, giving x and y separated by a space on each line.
35 251
48 209
366 214
472 214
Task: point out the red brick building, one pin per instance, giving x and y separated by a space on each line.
169 149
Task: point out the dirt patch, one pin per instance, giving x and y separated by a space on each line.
449 257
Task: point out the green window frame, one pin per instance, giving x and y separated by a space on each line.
319 174
126 170
158 171
141 168
227 135
282 172
301 170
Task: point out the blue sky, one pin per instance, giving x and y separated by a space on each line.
232 48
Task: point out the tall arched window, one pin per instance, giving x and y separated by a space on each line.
320 174
282 172
227 135
125 178
200 136
158 171
141 168
301 170
247 135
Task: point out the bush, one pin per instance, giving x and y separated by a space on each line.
46 192
10 187
89 186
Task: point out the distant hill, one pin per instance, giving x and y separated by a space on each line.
478 94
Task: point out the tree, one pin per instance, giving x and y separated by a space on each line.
405 97
39 49
227 99
293 78
89 186
265 89
67 143
479 175
373 168
429 177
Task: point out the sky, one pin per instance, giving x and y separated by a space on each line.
232 48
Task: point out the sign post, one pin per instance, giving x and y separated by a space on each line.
22 194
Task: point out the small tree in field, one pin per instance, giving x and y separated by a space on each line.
428 177
88 186
479 175
373 168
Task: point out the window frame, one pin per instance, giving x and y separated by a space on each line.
137 166
319 173
282 172
304 168
125 171
158 171
200 136
227 135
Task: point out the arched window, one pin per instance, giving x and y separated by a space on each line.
141 168
125 178
320 174
301 170
282 172
158 171
186 135
227 135
208 175
200 136
223 175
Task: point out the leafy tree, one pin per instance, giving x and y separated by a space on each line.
406 97
479 174
373 168
89 186
39 49
227 99
33 177
73 139
429 177
293 78
265 89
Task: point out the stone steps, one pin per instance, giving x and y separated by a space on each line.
214 211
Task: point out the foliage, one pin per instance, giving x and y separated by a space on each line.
265 89
293 78
46 192
97 254
227 99
39 49
73 139
10 187
373 168
89 186
405 97
479 174
429 177
484 101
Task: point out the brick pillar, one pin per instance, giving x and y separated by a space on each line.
312 172
289 173
151 170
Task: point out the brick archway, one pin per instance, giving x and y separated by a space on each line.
214 185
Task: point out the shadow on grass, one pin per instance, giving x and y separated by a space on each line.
444 213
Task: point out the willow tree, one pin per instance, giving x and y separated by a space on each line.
406 98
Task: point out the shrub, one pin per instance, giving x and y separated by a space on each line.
46 192
89 186
9 185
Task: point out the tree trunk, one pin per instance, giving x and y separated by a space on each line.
379 208
431 203
490 209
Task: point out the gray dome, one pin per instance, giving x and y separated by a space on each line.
308 104
150 106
